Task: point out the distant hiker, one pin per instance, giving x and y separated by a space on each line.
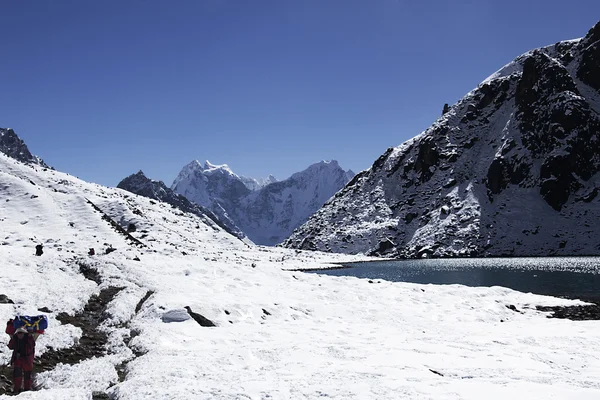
22 343
38 250
92 251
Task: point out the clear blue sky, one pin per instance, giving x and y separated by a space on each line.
102 89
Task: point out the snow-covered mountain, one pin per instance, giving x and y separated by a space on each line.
271 213
511 169
129 322
205 184
139 184
13 146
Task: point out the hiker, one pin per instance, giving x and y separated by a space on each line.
38 250
92 251
22 343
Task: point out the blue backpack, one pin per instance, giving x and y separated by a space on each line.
32 324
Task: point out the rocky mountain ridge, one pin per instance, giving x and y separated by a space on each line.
512 169
13 146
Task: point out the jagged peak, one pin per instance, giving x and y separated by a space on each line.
194 165
13 146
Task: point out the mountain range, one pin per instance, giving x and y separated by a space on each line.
509 170
512 169
267 211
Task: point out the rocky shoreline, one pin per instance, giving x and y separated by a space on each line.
574 313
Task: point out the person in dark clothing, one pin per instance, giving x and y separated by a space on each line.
22 343
39 250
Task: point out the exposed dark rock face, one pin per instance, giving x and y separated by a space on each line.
590 58
427 158
520 153
13 146
550 110
157 190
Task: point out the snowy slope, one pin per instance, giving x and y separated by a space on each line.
279 335
271 213
511 169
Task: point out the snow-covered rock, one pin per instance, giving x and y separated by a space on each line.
178 315
511 169
271 213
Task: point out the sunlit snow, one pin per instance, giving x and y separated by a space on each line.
280 334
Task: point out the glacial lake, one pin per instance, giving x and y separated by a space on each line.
572 277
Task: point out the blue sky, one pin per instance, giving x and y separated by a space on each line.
103 89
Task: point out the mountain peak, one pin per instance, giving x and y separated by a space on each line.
324 168
512 169
14 147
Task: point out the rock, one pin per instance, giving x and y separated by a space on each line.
428 157
574 313
384 246
200 319
177 315
13 146
5 300
513 308
590 58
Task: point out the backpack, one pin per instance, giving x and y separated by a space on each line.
35 324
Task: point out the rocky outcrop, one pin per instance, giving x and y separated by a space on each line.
13 146
590 58
513 168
